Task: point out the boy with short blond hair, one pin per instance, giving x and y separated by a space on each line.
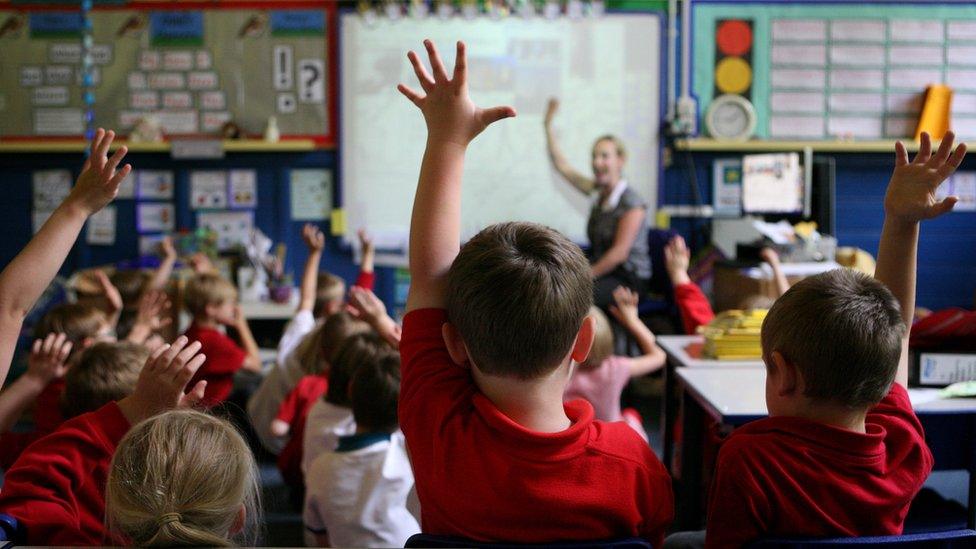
842 453
104 373
488 345
212 301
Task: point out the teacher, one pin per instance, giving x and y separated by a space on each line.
617 227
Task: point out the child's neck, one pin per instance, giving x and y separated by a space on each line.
206 321
535 404
832 414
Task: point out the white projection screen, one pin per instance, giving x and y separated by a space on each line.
605 71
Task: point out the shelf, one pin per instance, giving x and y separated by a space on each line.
714 145
230 146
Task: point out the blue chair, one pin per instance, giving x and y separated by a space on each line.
11 531
428 540
953 539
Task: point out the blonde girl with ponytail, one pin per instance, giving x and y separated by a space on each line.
183 478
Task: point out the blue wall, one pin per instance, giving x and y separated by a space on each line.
947 249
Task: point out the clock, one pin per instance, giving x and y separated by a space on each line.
731 118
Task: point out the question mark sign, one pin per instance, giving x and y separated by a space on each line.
313 75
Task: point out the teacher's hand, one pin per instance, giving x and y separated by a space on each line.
551 109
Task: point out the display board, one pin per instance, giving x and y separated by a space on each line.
828 71
605 70
193 66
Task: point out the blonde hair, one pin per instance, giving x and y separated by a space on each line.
180 479
207 289
602 341
617 143
329 289
105 372
77 321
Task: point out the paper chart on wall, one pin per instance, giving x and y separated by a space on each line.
232 228
208 190
127 189
156 184
243 189
155 218
311 195
51 187
101 227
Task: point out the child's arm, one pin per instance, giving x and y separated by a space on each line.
163 380
151 316
287 411
371 309
694 306
366 277
45 364
911 198
452 121
253 360
161 275
565 169
315 242
625 311
26 277
112 297
770 256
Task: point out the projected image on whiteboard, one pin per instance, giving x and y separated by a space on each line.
772 183
604 70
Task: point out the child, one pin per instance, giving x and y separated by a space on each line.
331 416
321 296
694 306
357 493
842 453
294 410
602 376
104 373
481 405
212 301
56 489
200 484
26 277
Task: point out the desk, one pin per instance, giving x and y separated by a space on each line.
735 396
685 352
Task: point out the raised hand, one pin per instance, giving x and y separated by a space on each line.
313 238
625 310
48 358
152 308
552 106
912 188
365 241
167 247
677 257
109 290
99 180
163 380
366 305
450 114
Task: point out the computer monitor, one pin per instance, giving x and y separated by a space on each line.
816 200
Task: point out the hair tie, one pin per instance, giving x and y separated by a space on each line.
169 518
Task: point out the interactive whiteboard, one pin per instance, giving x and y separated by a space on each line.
605 71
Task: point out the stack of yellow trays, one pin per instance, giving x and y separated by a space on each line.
734 335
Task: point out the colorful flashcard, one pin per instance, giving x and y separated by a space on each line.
155 184
101 227
311 194
208 190
243 189
155 217
232 228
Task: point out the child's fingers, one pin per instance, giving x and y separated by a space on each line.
195 396
103 148
413 96
426 82
944 149
494 114
945 206
185 374
186 354
36 348
901 154
58 343
152 363
95 144
460 65
955 159
120 176
116 158
924 150
440 75
65 351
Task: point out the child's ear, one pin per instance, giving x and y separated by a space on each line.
238 526
584 339
785 374
455 345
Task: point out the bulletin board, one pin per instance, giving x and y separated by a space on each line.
192 65
828 71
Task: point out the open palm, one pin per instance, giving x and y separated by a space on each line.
912 190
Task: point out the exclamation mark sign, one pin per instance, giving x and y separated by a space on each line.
283 73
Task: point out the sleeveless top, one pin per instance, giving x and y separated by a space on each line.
602 228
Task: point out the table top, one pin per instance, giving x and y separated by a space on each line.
268 310
738 396
686 350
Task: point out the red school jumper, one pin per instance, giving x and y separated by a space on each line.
224 359
788 476
56 490
294 410
481 476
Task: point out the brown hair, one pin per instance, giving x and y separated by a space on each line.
130 284
105 372
374 391
207 289
328 289
602 341
75 320
617 144
843 330
517 294
334 331
357 350
180 479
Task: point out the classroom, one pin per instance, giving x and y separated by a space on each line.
673 273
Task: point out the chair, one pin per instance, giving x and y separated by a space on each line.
428 540
952 539
11 531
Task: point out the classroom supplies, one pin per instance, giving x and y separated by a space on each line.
734 335
935 112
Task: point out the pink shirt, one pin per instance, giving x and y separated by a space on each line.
601 387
